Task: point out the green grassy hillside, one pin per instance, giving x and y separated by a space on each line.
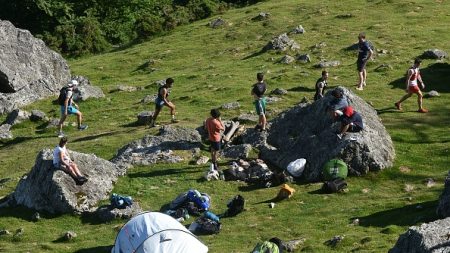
215 66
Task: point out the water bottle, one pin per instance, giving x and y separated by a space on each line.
210 215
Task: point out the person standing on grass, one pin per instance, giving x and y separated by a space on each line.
321 84
61 160
258 91
162 100
69 107
364 54
413 78
215 127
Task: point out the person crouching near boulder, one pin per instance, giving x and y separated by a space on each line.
214 126
351 121
61 160
338 103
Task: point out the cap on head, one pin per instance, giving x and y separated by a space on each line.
348 111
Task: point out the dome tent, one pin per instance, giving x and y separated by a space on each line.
153 232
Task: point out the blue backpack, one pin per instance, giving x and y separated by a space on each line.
120 202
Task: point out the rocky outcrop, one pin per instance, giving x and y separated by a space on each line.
143 118
5 132
48 189
17 116
107 213
307 131
430 237
153 149
237 151
282 43
29 70
443 209
327 64
37 115
85 90
434 54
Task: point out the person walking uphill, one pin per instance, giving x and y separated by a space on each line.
162 100
258 91
214 126
61 160
69 107
412 79
364 54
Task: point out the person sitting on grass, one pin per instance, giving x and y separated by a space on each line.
351 121
162 100
412 79
61 160
214 126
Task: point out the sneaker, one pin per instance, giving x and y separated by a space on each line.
61 134
359 88
339 136
398 106
422 110
174 121
81 180
82 127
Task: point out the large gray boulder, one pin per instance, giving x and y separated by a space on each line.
282 43
17 116
307 131
5 132
54 191
29 70
85 90
443 209
154 149
430 237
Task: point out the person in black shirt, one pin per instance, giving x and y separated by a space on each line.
162 100
321 84
351 121
364 54
258 91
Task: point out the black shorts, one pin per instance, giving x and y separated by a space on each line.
215 145
360 65
354 128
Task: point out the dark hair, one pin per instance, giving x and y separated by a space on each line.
169 80
337 93
215 113
362 35
63 141
278 242
260 76
324 72
417 61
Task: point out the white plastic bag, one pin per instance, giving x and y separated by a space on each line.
296 168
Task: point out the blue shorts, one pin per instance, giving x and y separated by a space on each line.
159 103
70 110
260 106
215 145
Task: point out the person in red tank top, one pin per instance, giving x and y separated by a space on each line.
214 126
413 78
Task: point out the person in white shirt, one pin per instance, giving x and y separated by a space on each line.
61 160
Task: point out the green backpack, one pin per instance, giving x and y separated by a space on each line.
266 247
333 169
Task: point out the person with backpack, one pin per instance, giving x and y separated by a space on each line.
214 126
364 54
258 90
321 84
162 100
351 121
62 160
69 107
413 78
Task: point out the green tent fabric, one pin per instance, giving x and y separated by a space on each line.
333 169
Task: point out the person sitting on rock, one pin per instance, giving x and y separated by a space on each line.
61 160
351 121
258 90
69 107
214 126
338 103
162 100
321 84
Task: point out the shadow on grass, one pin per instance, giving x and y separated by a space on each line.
98 249
436 77
93 137
403 216
20 139
164 172
21 212
260 52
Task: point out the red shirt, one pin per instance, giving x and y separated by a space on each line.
214 126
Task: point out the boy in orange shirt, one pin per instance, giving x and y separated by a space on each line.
214 126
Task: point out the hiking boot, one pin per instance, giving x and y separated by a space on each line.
61 134
81 180
398 106
82 127
422 110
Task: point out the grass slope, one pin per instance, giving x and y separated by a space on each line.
215 66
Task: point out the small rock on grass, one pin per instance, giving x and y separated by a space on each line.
430 182
69 235
404 169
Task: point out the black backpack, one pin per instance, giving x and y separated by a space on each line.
334 186
235 206
62 95
207 226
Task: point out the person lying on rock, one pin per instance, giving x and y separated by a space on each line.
61 160
351 121
338 103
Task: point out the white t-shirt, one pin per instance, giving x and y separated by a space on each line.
56 155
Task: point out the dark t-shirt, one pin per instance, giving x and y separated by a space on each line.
338 103
363 50
355 119
259 89
320 84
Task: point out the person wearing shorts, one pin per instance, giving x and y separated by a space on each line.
321 84
162 100
413 79
351 121
62 161
258 91
364 54
70 108
215 127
